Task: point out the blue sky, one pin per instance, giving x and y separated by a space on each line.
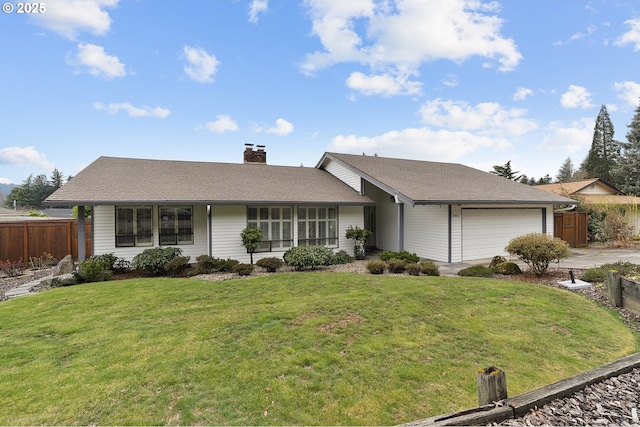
465 81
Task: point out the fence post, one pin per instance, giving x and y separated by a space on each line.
25 246
492 385
614 287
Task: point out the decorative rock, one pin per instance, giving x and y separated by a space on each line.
65 266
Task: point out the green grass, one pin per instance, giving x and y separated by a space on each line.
291 349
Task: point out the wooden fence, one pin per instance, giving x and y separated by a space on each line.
623 292
20 240
572 228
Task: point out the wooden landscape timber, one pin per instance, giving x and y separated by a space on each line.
623 292
518 406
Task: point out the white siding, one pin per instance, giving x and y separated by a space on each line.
343 174
456 233
349 216
426 231
596 188
227 222
104 240
387 218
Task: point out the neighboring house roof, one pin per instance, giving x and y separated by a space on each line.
422 182
579 187
112 180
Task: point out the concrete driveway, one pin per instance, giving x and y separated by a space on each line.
580 259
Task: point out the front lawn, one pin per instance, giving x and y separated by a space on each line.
289 349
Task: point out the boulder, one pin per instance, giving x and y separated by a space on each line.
65 266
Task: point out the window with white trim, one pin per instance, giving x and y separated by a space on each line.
176 225
134 226
275 223
318 225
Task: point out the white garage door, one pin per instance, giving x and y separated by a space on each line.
486 232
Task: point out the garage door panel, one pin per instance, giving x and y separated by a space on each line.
486 232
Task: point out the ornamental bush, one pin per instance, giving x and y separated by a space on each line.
429 268
376 267
112 262
341 257
538 250
301 257
243 269
414 269
270 264
93 270
507 268
595 275
498 259
402 255
396 266
476 271
155 259
177 265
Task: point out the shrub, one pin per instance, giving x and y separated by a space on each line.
413 269
359 236
226 265
113 263
177 265
429 268
537 250
396 266
155 259
376 267
45 260
94 270
476 271
341 257
507 268
206 264
251 239
624 268
243 269
270 264
301 257
12 268
403 255
498 259
594 275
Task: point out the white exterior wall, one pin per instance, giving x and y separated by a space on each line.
426 231
386 218
343 174
348 216
596 188
104 237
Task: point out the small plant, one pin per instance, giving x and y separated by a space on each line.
402 255
227 265
176 265
46 260
206 264
243 269
155 259
538 250
429 268
413 269
498 259
506 268
12 268
396 266
113 263
624 268
359 236
594 275
341 257
301 257
270 264
476 271
94 270
251 239
376 267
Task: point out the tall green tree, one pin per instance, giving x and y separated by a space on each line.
565 174
505 171
605 151
34 190
627 173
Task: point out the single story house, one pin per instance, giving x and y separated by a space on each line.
441 211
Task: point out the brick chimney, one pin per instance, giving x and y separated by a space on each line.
257 156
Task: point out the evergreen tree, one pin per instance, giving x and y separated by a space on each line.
627 173
34 190
565 174
604 152
505 171
57 179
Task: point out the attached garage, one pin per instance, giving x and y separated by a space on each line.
485 232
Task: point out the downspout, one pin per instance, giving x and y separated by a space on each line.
209 228
400 226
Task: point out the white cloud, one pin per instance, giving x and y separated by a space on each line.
24 156
257 7
201 66
568 139
629 92
486 118
576 97
282 128
395 38
522 93
222 124
383 84
100 64
5 180
70 17
144 111
632 36
418 143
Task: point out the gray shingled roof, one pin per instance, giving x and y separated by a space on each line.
111 180
422 182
